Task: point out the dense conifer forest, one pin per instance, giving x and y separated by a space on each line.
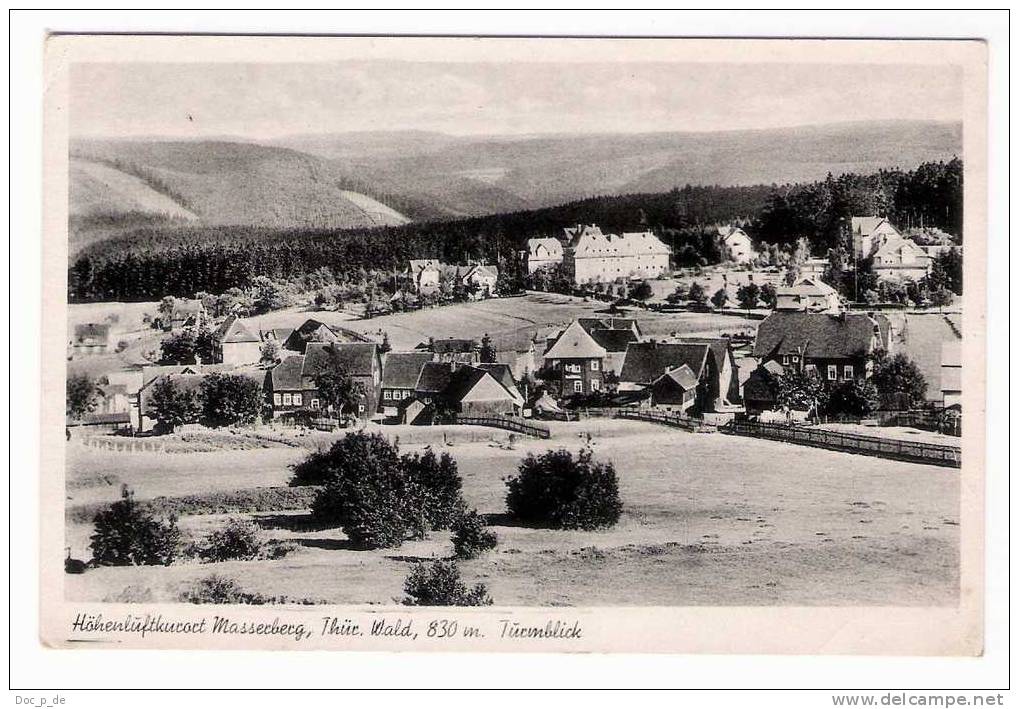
149 259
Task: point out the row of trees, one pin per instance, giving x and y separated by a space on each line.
220 400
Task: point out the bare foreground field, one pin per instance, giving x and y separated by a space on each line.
708 520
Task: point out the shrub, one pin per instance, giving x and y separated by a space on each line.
564 492
439 485
229 399
471 537
439 584
379 497
219 589
237 539
852 398
129 534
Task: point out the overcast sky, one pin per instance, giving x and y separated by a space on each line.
262 101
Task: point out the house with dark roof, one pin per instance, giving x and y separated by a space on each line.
675 391
576 362
311 330
450 389
835 347
188 313
291 383
399 378
452 349
710 362
90 338
614 335
236 343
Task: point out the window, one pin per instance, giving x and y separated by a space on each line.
287 400
595 385
360 408
298 399
847 371
833 372
578 386
796 359
314 403
387 395
594 365
811 369
785 359
277 399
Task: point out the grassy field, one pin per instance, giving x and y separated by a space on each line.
708 520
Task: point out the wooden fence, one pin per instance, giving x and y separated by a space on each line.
675 420
912 451
507 423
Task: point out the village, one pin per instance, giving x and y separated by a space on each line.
207 409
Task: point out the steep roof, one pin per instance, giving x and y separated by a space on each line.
356 358
434 377
575 342
286 376
233 329
817 335
403 369
456 345
553 246
808 285
613 340
590 242
647 361
683 376
462 381
503 374
609 323
311 330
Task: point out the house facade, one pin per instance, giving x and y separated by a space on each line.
424 274
291 383
236 343
480 280
592 257
710 362
576 362
543 253
836 348
738 245
614 335
809 294
866 232
463 390
399 379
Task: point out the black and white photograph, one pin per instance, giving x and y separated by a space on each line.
548 325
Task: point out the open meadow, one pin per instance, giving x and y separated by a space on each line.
708 519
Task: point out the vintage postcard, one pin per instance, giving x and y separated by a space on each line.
557 345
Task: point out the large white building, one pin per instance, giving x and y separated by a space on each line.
590 256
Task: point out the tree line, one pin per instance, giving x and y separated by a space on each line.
152 260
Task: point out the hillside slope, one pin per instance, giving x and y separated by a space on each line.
475 176
220 183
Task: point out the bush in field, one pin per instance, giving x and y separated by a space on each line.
237 539
128 534
438 482
229 399
82 395
565 492
219 589
173 405
439 584
471 538
378 497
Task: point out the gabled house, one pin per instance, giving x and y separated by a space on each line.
452 349
236 343
543 253
710 362
291 383
591 256
448 388
738 245
90 338
424 274
576 362
835 347
809 294
614 335
311 330
188 313
899 257
675 391
400 378
480 280
867 231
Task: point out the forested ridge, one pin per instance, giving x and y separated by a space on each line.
151 260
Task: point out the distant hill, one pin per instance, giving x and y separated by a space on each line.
469 176
215 183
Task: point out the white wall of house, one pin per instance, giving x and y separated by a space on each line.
241 352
